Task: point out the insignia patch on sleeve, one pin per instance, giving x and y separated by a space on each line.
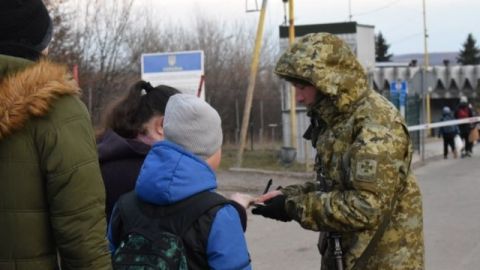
366 169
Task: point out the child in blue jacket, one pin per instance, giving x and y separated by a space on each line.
182 166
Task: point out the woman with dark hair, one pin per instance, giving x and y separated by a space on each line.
131 126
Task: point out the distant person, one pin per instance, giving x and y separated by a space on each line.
366 202
52 199
131 127
448 133
177 178
464 111
474 133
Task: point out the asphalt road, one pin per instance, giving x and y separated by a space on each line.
451 196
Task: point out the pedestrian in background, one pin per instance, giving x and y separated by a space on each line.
366 202
474 135
463 111
448 133
52 199
131 126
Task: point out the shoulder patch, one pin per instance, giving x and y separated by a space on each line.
366 169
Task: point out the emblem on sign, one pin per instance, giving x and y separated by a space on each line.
172 59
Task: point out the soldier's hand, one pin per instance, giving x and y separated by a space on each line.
273 208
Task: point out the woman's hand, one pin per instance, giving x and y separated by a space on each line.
243 199
268 196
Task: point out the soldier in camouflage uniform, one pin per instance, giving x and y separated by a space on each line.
367 195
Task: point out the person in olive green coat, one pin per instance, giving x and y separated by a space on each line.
366 201
52 197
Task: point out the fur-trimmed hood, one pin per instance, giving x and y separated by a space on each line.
28 89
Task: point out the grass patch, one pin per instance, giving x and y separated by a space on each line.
264 159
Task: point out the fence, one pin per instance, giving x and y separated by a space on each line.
413 105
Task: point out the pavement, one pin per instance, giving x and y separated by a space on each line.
451 214
450 201
451 219
253 181
433 151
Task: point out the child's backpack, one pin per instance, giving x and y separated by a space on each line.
153 234
452 129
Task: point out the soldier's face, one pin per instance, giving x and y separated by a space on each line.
305 94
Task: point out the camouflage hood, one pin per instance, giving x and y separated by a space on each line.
327 63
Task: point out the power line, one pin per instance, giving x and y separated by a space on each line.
377 9
406 38
405 21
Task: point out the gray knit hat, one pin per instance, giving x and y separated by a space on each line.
193 124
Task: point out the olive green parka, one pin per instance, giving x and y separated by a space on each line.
364 151
52 197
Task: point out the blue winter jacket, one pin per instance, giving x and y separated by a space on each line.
171 174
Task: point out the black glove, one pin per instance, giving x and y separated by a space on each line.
273 208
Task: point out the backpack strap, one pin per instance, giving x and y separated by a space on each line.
197 206
241 212
176 218
208 200
129 213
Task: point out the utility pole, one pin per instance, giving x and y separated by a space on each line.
293 101
426 60
426 92
425 36
251 84
350 10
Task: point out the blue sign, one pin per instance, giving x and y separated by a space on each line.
172 62
399 88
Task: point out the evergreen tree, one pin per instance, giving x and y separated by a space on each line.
381 49
470 55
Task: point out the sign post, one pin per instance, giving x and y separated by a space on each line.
182 70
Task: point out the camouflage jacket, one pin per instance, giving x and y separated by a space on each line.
364 150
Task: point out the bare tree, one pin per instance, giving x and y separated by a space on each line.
100 32
62 47
106 39
228 47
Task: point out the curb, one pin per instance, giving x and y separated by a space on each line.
415 165
282 173
419 163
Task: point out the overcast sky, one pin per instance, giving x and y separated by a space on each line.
400 21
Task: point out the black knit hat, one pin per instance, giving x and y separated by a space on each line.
25 22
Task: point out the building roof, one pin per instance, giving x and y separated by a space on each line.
448 81
434 58
333 28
